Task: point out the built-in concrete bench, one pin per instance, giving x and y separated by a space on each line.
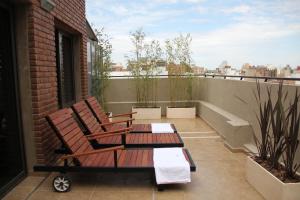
236 132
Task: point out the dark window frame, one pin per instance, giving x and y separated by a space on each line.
59 34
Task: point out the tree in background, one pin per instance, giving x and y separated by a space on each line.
153 56
143 66
135 63
178 57
102 66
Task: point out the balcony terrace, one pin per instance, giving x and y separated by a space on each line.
220 174
217 140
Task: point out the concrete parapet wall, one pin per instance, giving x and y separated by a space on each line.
225 94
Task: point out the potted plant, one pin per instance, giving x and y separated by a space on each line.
279 131
144 68
180 78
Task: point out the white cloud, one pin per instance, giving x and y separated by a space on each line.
245 33
119 10
177 1
165 1
242 43
194 1
247 38
237 44
200 9
242 9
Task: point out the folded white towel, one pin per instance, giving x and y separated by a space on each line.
161 128
171 166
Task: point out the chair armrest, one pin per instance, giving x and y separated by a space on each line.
122 115
117 122
92 152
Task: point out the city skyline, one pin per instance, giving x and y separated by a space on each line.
255 32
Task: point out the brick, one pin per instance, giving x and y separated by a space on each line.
42 55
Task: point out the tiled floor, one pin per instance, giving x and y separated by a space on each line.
220 175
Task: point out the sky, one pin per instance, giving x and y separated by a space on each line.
256 32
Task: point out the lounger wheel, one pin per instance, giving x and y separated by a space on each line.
62 183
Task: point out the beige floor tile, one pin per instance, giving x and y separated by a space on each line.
184 125
31 181
220 175
47 184
18 193
138 187
169 194
75 195
107 195
44 195
23 189
134 195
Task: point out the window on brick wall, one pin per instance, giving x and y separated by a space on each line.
65 68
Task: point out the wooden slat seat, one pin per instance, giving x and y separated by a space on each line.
126 158
131 138
136 128
105 159
92 126
103 118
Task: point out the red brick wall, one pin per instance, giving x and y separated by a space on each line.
41 32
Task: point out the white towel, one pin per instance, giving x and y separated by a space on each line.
161 128
171 166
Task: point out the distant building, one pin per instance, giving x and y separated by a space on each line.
248 70
226 69
161 63
159 69
119 73
117 67
178 69
198 70
259 71
296 74
212 71
285 72
266 71
223 64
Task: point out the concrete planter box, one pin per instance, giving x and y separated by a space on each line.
173 112
269 186
147 113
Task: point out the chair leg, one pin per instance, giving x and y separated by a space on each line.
116 158
123 138
153 179
160 188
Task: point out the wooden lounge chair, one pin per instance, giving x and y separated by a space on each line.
82 157
103 119
93 128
